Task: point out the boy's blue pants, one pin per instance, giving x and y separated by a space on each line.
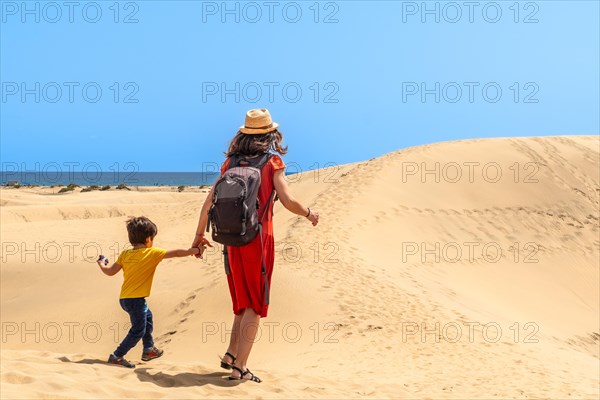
141 325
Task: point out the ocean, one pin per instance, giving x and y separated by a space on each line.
83 178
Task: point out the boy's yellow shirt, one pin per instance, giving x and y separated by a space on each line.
139 266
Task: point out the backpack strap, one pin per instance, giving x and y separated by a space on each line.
233 161
263 268
256 162
226 260
264 212
263 160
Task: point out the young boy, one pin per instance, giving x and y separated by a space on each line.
139 265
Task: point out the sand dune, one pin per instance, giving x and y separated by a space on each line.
465 269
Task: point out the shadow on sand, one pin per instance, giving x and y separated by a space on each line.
183 379
87 361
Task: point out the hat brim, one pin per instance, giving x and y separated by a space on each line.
258 131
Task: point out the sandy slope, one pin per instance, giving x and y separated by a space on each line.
440 285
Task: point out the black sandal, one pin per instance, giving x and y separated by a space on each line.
253 378
225 365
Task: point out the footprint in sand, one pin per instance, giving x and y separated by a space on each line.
166 337
16 378
186 303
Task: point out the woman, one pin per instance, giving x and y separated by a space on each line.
258 136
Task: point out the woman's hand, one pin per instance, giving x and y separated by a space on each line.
313 216
200 242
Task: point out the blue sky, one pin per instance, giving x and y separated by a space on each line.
501 68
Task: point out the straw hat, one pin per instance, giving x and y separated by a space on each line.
258 121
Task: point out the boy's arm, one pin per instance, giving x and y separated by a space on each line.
182 252
110 271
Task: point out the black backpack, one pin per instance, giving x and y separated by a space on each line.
233 215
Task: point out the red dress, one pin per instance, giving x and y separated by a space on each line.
246 282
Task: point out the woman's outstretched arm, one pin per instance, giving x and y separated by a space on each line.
203 220
199 239
289 202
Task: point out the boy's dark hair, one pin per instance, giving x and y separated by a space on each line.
139 228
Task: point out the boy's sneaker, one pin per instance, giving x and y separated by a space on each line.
112 359
152 354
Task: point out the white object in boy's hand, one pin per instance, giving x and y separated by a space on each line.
103 258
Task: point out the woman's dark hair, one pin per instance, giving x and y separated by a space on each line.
249 145
140 228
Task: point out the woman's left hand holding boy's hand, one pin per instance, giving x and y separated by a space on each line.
200 242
